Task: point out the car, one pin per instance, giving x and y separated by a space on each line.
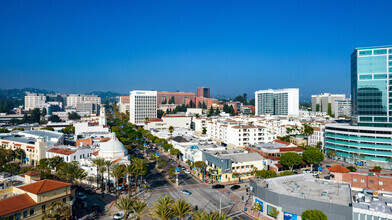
306 171
314 173
186 192
187 171
328 165
234 187
119 215
218 186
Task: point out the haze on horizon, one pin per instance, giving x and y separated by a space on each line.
228 46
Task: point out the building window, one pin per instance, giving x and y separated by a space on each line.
64 199
355 180
362 180
371 181
381 183
31 211
25 214
43 208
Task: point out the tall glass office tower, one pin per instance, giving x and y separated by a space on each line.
371 86
368 140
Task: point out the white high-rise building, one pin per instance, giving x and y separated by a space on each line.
277 102
34 100
321 103
74 99
143 104
342 108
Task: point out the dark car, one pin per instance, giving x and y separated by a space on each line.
234 187
218 186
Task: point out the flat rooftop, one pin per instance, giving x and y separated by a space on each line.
373 203
305 186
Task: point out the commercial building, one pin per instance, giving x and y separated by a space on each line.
179 98
123 104
277 102
326 102
368 138
34 143
231 165
352 144
371 69
143 104
203 92
294 194
87 107
32 100
342 108
30 201
74 99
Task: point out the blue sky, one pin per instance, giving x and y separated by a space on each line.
230 46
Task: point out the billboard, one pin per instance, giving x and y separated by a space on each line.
289 216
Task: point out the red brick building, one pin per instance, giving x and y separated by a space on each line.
362 180
179 97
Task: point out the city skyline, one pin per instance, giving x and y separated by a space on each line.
231 48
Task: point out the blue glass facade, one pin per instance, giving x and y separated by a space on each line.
359 143
369 137
371 86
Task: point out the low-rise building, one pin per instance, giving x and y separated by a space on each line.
33 143
69 153
30 201
294 194
176 121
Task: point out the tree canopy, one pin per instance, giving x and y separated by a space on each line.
290 159
313 214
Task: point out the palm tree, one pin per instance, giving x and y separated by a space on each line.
171 130
181 208
125 205
140 169
129 170
117 172
108 165
67 171
99 163
58 210
140 209
162 208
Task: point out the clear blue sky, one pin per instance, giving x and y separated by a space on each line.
230 46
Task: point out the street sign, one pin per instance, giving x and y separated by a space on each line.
145 144
157 154
320 169
177 170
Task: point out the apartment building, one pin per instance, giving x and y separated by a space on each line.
143 104
176 121
342 108
277 102
74 99
325 101
69 153
33 100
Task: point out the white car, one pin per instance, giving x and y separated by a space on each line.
119 215
186 171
